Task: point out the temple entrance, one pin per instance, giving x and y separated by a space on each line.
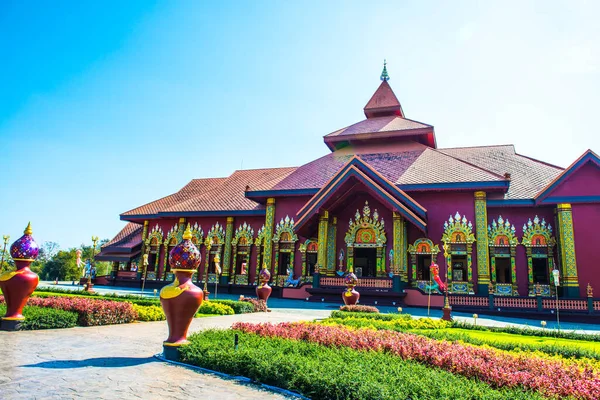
503 270
365 261
284 263
311 261
423 264
540 270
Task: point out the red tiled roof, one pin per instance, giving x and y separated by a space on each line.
130 236
383 100
230 194
390 123
528 176
195 188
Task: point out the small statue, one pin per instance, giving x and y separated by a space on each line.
490 288
538 289
290 280
437 285
590 291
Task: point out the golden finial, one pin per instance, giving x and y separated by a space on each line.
264 265
187 235
28 230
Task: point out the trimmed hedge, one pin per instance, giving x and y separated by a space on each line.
360 309
333 373
373 316
239 307
149 313
398 324
529 331
210 307
257 304
45 318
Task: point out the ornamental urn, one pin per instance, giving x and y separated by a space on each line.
181 299
263 291
18 285
350 295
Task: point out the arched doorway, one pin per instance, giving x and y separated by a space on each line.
539 243
458 235
422 254
365 241
153 244
310 253
241 244
170 241
503 244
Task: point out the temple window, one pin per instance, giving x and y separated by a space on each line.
422 254
458 238
215 238
365 241
284 240
153 244
539 243
260 252
503 242
241 244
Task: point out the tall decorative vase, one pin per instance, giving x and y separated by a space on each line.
18 285
263 291
350 295
181 299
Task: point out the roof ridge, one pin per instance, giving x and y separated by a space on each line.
468 163
260 169
479 147
540 161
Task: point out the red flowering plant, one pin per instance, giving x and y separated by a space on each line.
90 312
549 377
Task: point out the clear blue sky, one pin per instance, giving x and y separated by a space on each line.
108 105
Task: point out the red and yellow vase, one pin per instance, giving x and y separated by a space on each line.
350 295
17 286
181 299
263 290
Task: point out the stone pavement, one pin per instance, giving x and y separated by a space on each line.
116 362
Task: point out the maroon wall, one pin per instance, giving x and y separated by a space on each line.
586 221
583 182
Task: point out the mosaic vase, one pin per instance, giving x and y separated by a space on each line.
18 285
181 299
263 291
350 295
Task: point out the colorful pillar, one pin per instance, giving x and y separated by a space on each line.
181 229
268 235
481 236
399 267
570 281
323 233
227 253
144 237
331 257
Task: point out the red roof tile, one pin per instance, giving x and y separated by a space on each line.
130 236
230 194
383 100
527 176
195 188
390 123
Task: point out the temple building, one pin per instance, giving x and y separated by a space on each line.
385 202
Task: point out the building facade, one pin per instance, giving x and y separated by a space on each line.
385 202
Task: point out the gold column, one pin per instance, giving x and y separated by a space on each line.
398 267
567 250
227 253
268 236
481 236
323 233
331 256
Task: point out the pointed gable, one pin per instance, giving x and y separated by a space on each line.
383 103
580 183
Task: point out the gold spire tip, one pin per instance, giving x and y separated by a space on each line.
28 230
187 235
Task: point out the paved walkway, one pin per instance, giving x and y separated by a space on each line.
116 362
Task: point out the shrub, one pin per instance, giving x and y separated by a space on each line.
529 331
90 312
500 369
210 307
149 313
257 304
359 308
239 307
333 373
373 316
135 299
397 324
45 318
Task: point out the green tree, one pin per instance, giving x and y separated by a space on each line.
62 266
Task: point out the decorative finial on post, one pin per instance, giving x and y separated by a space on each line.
187 235
28 230
384 73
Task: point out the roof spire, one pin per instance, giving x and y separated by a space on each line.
384 73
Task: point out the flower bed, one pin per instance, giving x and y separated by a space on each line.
399 324
326 373
257 304
499 369
149 313
211 307
90 312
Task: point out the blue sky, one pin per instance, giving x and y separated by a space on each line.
105 106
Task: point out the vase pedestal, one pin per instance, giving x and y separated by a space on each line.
11 324
350 297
